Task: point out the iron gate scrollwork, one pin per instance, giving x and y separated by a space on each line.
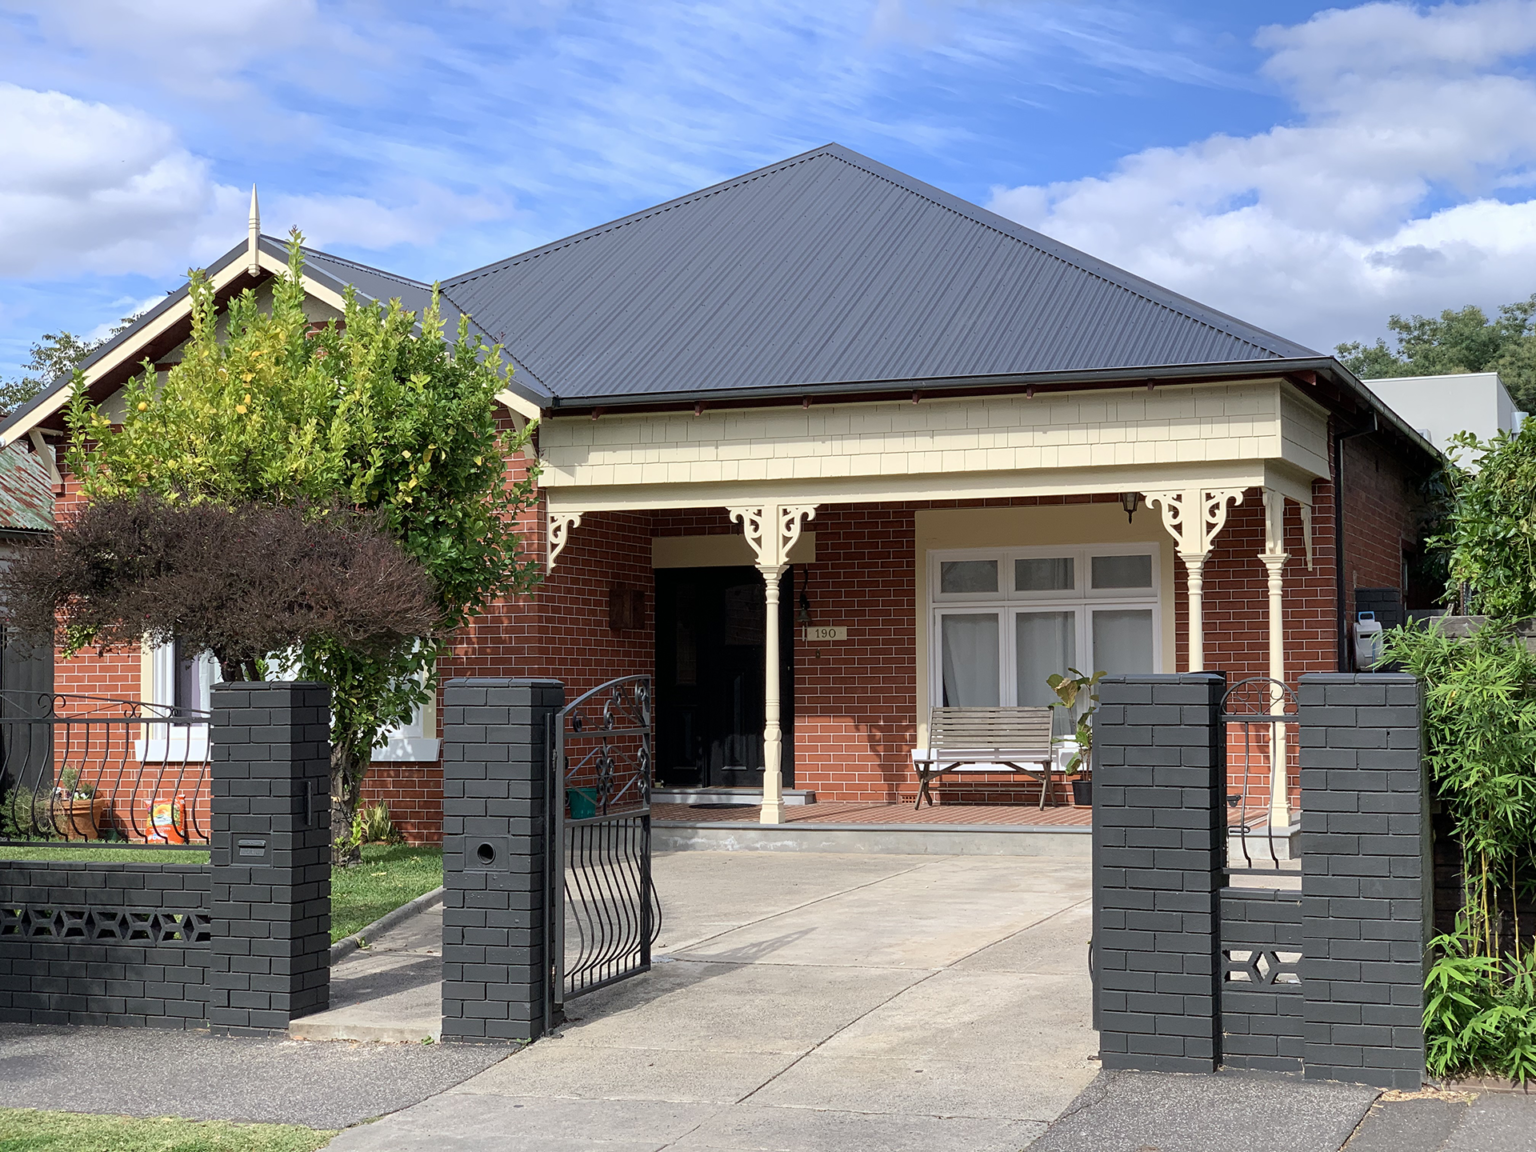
1259 720
604 914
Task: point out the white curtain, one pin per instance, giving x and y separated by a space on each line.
970 657
1046 642
1122 640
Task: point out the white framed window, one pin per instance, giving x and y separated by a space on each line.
180 687
1004 619
414 741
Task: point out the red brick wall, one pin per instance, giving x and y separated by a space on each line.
414 793
1380 516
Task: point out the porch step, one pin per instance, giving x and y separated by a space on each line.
746 797
874 839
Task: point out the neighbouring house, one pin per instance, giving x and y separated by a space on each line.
26 518
928 454
1438 407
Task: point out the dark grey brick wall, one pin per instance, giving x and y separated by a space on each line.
1158 830
118 944
271 855
1261 1005
1367 878
495 866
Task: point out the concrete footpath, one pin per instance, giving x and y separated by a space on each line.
150 1072
808 1002
1255 1112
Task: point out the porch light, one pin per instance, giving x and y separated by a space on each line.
1130 501
804 616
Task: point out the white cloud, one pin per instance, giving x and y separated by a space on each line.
90 187
1391 193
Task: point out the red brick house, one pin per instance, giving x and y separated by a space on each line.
929 455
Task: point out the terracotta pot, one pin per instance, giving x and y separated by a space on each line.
79 819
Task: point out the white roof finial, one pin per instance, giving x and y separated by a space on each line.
253 240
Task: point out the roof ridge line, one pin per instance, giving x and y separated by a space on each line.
643 214
395 276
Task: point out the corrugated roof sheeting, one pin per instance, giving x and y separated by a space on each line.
829 269
26 493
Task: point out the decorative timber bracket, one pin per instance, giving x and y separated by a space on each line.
772 530
1194 517
560 525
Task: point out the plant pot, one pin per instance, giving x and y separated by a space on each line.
1082 792
583 802
79 819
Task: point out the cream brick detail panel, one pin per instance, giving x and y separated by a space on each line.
1196 424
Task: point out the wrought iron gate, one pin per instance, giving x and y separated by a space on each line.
604 914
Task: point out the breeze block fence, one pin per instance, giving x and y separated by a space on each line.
1193 973
237 945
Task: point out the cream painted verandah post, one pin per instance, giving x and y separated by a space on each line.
1193 517
1274 557
772 530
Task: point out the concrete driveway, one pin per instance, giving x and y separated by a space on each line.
806 1002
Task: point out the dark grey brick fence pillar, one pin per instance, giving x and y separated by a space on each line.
1158 827
1367 895
495 966
270 855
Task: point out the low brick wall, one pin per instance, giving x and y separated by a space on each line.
121 944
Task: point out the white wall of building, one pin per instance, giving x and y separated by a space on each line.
1440 406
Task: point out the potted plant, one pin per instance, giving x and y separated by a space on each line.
76 809
1072 689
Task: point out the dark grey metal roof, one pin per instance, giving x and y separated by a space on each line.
829 268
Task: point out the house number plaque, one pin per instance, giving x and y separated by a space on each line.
825 634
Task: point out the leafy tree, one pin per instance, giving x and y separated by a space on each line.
1488 534
56 354
1457 341
379 412
240 582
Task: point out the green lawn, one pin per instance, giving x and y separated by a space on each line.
24 1130
81 852
389 876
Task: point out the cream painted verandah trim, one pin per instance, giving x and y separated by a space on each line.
877 489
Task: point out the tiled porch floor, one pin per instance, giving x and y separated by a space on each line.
868 812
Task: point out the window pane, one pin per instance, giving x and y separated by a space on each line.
1122 571
968 576
1047 575
1122 641
969 644
1047 643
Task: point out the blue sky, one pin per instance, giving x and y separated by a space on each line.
1308 169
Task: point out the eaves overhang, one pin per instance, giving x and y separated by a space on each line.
1322 378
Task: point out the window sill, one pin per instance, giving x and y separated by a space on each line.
409 750
187 742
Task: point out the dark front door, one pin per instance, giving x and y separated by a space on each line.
709 676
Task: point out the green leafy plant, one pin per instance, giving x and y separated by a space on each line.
25 813
1480 1011
372 825
1489 537
71 787
1070 689
1480 748
380 412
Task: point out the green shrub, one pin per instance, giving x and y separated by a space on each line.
25 813
1480 748
371 825
1480 1014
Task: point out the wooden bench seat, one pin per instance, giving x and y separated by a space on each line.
1018 739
